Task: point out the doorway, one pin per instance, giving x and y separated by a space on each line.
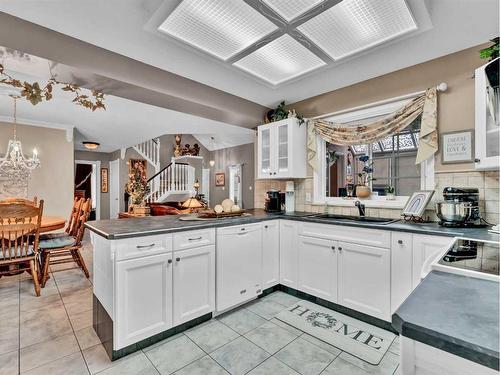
114 188
87 182
235 193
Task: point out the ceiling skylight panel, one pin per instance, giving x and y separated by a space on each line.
222 28
354 25
291 9
280 60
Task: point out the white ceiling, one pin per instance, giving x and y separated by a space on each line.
129 27
124 123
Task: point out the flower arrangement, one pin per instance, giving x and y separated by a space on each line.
137 186
365 176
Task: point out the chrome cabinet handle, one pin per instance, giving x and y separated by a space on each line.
333 248
265 226
400 242
169 261
195 239
177 259
145 246
340 249
243 291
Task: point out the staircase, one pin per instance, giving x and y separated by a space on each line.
173 183
150 151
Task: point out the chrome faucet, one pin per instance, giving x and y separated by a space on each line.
361 208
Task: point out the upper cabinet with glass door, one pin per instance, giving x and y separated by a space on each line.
487 117
282 150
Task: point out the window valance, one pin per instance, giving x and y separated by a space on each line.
348 135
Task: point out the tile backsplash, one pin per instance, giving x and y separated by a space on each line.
486 182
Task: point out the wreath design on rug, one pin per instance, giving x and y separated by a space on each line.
322 320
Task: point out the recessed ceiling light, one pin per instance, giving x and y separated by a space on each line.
280 60
352 25
222 28
91 145
291 9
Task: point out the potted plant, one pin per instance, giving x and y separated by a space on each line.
137 188
364 177
391 193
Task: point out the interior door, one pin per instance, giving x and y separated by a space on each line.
318 267
365 279
194 283
114 188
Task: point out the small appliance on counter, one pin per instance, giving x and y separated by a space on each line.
460 208
289 197
275 201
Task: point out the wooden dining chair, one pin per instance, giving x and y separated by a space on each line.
66 249
19 238
71 228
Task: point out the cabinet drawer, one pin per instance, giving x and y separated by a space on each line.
143 246
195 238
362 236
239 229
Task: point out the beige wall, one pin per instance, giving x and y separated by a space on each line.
455 107
455 112
243 154
104 159
53 182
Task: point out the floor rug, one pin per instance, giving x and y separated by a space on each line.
353 336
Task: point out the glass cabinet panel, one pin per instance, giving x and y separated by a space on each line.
492 112
282 148
265 151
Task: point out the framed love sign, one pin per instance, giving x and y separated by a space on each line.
457 147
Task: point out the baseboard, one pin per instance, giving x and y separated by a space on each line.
336 307
103 326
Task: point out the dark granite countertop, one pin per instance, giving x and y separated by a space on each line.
135 227
455 313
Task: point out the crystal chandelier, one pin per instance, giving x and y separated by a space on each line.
14 165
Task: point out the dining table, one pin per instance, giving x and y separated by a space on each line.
50 223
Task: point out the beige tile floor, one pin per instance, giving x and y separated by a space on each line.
53 335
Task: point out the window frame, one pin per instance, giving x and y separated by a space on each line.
359 114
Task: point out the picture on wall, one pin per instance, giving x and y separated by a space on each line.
104 180
220 179
457 147
415 207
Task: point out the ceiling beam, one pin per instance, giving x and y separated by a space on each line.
124 77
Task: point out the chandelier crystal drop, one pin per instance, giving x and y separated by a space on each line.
14 165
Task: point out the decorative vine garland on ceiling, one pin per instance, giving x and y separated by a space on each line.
35 94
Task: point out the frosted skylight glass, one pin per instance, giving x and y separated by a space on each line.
353 25
220 27
290 9
280 60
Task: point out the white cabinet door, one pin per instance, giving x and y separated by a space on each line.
143 298
425 246
318 267
239 265
270 253
194 283
401 268
265 151
282 149
289 253
487 128
364 282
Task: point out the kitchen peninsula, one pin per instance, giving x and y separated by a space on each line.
157 276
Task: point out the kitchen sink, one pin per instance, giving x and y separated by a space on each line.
359 219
